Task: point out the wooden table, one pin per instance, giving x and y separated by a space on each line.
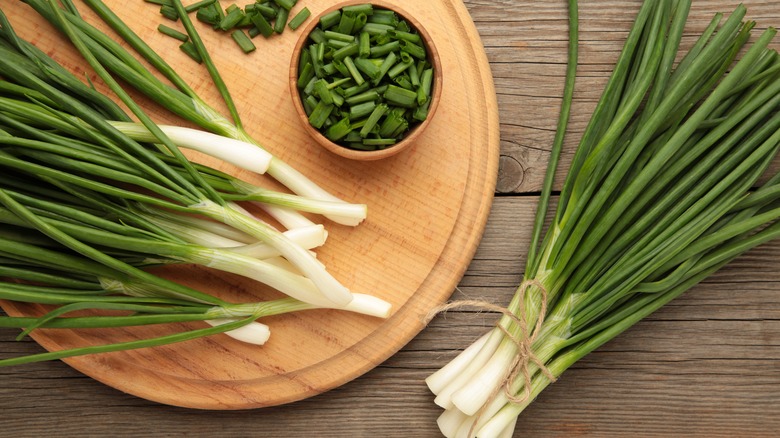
708 364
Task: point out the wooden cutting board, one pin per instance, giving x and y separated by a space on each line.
427 210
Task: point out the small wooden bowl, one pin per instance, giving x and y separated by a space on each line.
412 135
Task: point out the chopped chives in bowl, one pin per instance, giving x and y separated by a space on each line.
364 77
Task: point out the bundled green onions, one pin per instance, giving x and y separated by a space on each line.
89 199
658 197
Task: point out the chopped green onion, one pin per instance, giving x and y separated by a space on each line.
338 130
413 49
281 20
305 75
379 141
424 92
371 95
266 10
384 16
406 62
365 8
368 58
377 29
322 90
173 33
373 119
243 41
231 19
338 36
285 4
346 22
348 50
169 12
384 49
209 14
199 5
262 25
320 114
299 18
331 19
353 70
361 110
189 48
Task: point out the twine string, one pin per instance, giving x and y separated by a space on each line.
525 355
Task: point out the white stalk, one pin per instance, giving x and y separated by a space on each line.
289 219
309 237
508 414
440 379
509 430
444 398
298 182
282 263
471 396
255 333
466 429
239 153
450 421
281 171
300 257
293 285
369 305
338 211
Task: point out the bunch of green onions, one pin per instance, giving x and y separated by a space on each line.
660 195
89 199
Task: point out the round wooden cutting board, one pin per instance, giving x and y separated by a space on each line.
427 210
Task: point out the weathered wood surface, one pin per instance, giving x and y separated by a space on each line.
706 365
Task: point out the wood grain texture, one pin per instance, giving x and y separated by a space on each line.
706 365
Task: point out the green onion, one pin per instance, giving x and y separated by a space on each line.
169 12
199 5
285 4
209 14
189 48
231 19
281 20
173 33
338 130
373 119
181 101
320 114
400 96
243 41
660 194
299 18
330 19
260 18
262 25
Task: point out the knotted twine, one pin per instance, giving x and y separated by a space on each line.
525 355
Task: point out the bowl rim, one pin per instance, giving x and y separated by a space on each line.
414 133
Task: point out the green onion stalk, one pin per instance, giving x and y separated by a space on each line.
190 190
64 166
89 199
660 194
180 99
37 267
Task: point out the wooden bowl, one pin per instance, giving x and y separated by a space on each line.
411 136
